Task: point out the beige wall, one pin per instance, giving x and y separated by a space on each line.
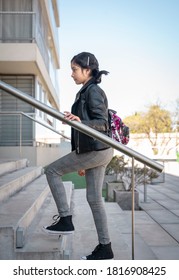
40 156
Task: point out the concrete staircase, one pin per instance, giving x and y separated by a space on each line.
26 205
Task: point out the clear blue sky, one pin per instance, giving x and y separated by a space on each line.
137 41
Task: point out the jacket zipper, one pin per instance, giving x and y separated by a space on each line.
77 148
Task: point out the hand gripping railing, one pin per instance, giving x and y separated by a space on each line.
91 132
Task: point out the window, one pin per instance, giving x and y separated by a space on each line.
10 126
16 26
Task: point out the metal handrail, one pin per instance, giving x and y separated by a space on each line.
37 121
82 127
91 132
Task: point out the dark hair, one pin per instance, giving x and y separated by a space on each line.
87 60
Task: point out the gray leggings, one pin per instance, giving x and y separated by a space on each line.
94 163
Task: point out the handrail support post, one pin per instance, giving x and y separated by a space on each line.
133 206
145 186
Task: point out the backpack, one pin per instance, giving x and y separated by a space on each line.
118 130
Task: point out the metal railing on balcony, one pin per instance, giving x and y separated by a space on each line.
17 27
93 133
24 27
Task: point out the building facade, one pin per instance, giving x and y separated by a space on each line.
29 61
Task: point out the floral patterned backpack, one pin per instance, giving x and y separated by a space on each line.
118 130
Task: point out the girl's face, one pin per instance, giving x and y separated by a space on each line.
80 75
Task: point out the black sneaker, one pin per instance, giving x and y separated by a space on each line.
101 252
62 225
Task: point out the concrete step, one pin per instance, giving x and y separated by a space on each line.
13 182
120 230
85 237
9 165
40 245
18 212
27 205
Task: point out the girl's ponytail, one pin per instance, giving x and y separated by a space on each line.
99 74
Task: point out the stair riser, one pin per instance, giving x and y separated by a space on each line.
16 185
7 243
39 256
28 217
12 166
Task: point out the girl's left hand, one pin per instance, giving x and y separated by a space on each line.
71 117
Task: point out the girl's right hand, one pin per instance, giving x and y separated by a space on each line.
71 117
81 172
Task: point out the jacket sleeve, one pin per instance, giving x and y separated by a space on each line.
96 113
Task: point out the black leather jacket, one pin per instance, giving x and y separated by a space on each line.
91 106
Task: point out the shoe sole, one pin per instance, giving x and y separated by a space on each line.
51 232
85 259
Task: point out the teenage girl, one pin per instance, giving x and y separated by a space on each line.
89 156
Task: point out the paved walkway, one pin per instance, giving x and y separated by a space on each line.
156 227
163 207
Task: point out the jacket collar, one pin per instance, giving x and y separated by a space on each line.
90 82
